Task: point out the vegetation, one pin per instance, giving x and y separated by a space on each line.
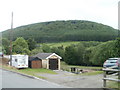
86 53
117 45
31 44
84 46
93 73
66 67
83 53
6 44
112 84
20 46
28 71
71 30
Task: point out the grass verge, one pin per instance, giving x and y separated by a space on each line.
29 71
112 84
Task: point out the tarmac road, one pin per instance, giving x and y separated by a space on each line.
14 80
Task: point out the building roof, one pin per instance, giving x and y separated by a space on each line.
33 58
43 55
46 55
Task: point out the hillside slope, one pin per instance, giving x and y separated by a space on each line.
71 30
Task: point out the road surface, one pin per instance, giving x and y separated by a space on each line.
14 80
73 80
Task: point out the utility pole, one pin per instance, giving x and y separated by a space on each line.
11 37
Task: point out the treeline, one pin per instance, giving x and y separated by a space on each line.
87 53
71 30
19 46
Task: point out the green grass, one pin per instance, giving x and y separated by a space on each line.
93 73
38 71
96 70
64 44
66 66
112 84
30 71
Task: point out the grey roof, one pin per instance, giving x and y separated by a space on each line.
31 58
43 55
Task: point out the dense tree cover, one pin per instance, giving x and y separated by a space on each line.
20 46
46 49
71 30
59 50
75 54
5 46
102 52
87 53
31 44
117 45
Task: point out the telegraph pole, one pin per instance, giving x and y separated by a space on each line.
11 37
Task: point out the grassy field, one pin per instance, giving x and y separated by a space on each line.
64 44
66 66
93 70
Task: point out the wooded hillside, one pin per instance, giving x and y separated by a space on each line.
71 30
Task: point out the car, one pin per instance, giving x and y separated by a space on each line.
111 63
1 54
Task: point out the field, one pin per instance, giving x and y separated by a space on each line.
64 44
89 70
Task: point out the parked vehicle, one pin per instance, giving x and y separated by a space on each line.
1 54
20 61
111 63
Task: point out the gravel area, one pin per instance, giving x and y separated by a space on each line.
73 80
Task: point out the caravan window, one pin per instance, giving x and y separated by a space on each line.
15 60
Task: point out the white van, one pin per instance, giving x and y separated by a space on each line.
20 61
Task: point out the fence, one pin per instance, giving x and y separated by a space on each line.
111 79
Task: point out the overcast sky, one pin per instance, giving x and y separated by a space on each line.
34 11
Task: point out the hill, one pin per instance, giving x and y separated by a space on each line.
71 30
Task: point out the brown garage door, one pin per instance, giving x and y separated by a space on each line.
37 64
53 64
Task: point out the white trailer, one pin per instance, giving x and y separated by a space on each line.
20 61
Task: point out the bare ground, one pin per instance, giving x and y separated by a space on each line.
76 81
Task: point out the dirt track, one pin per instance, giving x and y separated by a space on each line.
73 80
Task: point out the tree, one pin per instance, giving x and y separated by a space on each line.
46 48
102 52
117 45
80 54
59 50
31 44
21 42
26 51
70 56
6 44
20 46
18 49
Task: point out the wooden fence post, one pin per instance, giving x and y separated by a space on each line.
104 80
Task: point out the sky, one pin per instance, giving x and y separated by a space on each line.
35 11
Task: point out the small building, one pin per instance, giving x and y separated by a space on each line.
35 62
45 60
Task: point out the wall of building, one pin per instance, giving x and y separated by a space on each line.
44 63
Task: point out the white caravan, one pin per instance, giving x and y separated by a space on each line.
20 61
